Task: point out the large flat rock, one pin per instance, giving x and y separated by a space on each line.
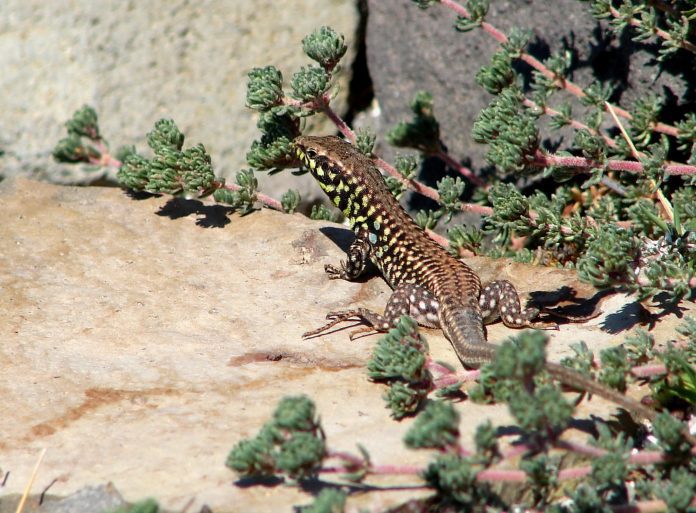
143 338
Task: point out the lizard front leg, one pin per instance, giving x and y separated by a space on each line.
358 254
407 299
500 300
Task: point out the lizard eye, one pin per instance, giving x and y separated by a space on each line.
311 153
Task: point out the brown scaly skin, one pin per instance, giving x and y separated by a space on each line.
429 284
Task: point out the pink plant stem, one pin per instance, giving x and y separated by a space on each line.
429 192
541 68
668 283
396 469
442 241
630 166
687 45
106 159
266 200
337 120
573 473
437 367
424 190
496 475
579 448
515 451
646 371
414 185
573 123
346 456
462 170
653 506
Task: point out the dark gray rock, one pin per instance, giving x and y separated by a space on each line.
91 499
410 49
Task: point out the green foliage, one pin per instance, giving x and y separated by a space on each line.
586 499
670 438
515 377
615 365
290 200
688 329
329 500
644 21
468 238
510 209
406 165
264 88
610 256
274 150
399 360
83 134
678 491
640 347
680 381
450 190
544 86
279 122
437 427
424 4
244 198
510 131
172 170
499 75
427 219
477 13
454 477
309 83
423 131
365 141
325 46
542 475
144 506
323 213
290 444
583 359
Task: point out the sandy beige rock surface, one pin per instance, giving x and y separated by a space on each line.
143 338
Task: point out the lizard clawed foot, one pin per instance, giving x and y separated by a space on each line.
334 272
341 316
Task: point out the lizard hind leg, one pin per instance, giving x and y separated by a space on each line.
499 300
407 299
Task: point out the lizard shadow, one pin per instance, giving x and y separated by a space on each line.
576 310
634 314
586 425
313 485
573 307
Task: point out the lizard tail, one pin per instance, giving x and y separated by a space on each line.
576 380
463 327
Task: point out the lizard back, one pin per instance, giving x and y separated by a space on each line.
400 249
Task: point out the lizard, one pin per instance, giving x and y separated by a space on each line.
429 284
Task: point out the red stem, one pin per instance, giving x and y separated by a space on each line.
630 166
266 200
687 45
569 86
462 170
